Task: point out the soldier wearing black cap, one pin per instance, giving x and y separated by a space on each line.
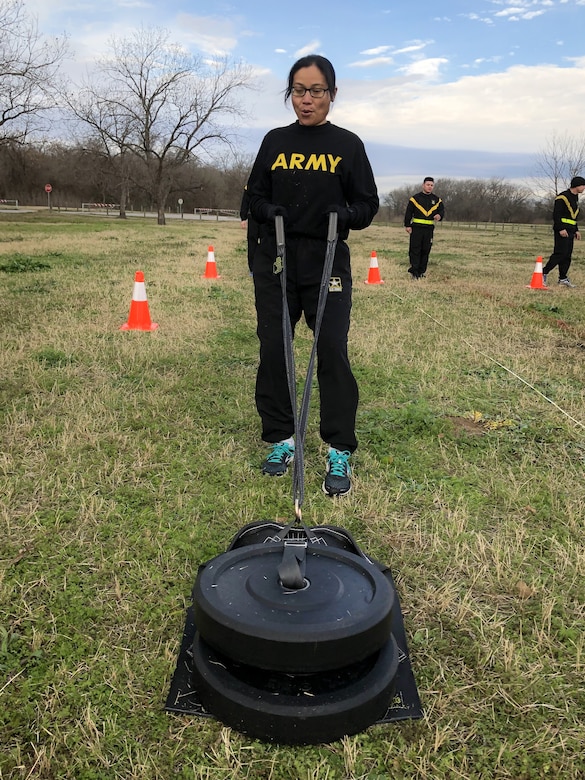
566 230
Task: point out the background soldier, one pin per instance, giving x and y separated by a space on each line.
422 212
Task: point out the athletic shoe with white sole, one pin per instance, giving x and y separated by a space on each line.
566 282
337 480
279 457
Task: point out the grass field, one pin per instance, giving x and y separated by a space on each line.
129 458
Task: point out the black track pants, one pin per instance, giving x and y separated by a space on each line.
421 242
338 389
561 256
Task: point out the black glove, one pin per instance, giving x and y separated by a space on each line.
270 211
344 216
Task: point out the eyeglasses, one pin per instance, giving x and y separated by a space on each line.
314 92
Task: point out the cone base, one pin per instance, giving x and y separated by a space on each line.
126 326
379 281
536 283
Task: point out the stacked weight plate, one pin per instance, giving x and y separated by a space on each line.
295 665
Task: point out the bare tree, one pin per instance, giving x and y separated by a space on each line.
503 201
109 136
235 171
562 158
161 106
29 71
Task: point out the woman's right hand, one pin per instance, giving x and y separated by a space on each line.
271 211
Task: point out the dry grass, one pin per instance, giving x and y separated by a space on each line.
127 459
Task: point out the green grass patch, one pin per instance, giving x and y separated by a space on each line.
129 458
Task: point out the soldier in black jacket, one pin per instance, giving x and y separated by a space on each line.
566 230
423 211
303 172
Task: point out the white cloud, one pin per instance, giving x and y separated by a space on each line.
509 11
309 48
372 62
429 67
375 57
482 60
521 10
418 46
477 18
376 51
495 112
212 35
523 16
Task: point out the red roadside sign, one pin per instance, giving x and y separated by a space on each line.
48 188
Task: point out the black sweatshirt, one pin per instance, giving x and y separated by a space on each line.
566 206
423 205
308 169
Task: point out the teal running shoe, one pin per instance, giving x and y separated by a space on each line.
279 457
337 480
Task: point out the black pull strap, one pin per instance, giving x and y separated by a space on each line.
300 418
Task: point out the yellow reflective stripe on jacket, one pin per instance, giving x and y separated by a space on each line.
574 213
424 211
568 221
423 221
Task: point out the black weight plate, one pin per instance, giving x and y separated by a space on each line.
295 709
341 616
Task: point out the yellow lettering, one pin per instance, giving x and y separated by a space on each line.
280 162
316 162
333 162
296 161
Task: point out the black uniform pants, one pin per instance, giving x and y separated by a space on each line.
421 241
561 256
253 236
338 391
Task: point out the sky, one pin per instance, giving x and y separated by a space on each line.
458 88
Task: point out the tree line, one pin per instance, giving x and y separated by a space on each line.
476 200
81 173
151 124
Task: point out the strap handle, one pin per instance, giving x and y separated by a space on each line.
291 569
300 418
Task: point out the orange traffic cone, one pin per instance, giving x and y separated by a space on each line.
374 272
139 317
537 281
211 267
